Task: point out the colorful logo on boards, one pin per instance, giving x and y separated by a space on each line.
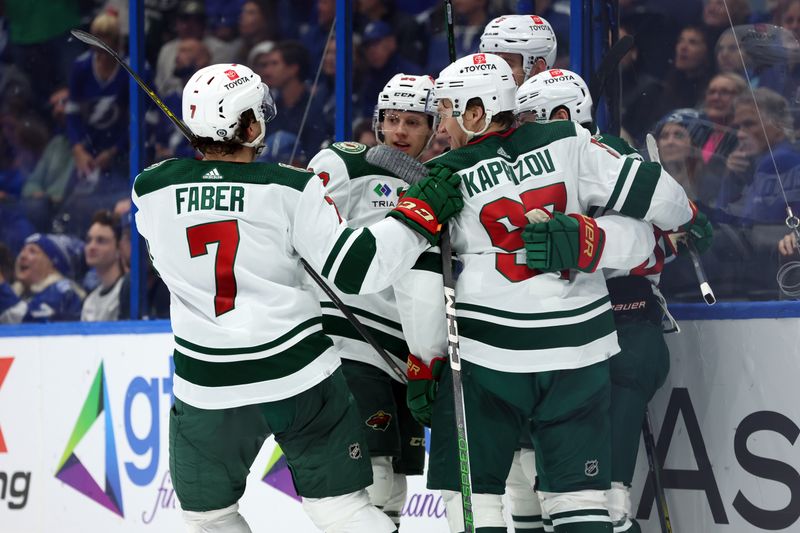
5 366
72 471
278 476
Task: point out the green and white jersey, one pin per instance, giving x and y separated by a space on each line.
227 239
363 193
514 319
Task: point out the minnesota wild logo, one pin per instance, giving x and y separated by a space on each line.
350 147
379 421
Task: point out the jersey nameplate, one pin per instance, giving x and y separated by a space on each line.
494 172
209 198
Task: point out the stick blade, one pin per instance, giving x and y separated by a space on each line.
88 38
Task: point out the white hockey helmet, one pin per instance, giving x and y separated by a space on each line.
216 96
553 88
484 76
530 36
405 92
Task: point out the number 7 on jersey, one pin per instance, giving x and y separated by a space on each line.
226 234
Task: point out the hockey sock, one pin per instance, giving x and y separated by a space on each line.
394 505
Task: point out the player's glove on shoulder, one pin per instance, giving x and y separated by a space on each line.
428 204
423 382
564 242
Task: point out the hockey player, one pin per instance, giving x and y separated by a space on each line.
364 194
226 236
535 343
641 367
526 42
529 46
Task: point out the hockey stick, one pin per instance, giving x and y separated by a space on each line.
90 39
699 271
465 480
396 163
655 470
608 65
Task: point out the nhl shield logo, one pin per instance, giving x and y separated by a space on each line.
354 450
379 421
592 468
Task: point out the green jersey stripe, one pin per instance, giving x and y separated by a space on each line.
189 171
356 262
623 175
532 338
430 261
579 512
644 184
326 269
286 363
533 316
250 349
339 326
366 314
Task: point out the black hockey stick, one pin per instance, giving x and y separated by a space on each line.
90 39
465 480
608 66
655 471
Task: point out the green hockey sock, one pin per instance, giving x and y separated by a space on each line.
582 521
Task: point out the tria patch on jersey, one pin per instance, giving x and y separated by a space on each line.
350 147
383 195
379 421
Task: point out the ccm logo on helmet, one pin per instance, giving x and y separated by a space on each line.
232 75
405 95
239 81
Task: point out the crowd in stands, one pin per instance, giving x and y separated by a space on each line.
64 170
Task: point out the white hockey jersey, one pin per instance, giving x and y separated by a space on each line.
227 239
363 193
514 319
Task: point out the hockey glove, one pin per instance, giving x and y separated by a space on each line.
423 381
431 202
564 242
699 232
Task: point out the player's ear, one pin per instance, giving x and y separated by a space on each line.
253 131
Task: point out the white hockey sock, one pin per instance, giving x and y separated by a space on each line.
227 520
349 513
618 503
526 511
487 510
396 501
382 478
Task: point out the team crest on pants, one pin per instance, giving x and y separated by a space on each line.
355 451
379 421
591 469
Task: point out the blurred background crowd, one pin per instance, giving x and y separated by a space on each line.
64 175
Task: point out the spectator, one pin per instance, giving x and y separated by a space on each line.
40 41
715 16
364 132
258 57
222 18
45 188
288 65
751 190
640 94
726 53
718 140
411 38
189 24
675 134
42 290
314 36
97 127
281 147
192 55
790 18
687 79
382 61
257 23
103 254
471 17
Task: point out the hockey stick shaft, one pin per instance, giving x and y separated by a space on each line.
465 479
90 39
655 471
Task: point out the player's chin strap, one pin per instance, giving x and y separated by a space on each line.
472 134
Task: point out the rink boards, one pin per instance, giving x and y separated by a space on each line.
84 418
